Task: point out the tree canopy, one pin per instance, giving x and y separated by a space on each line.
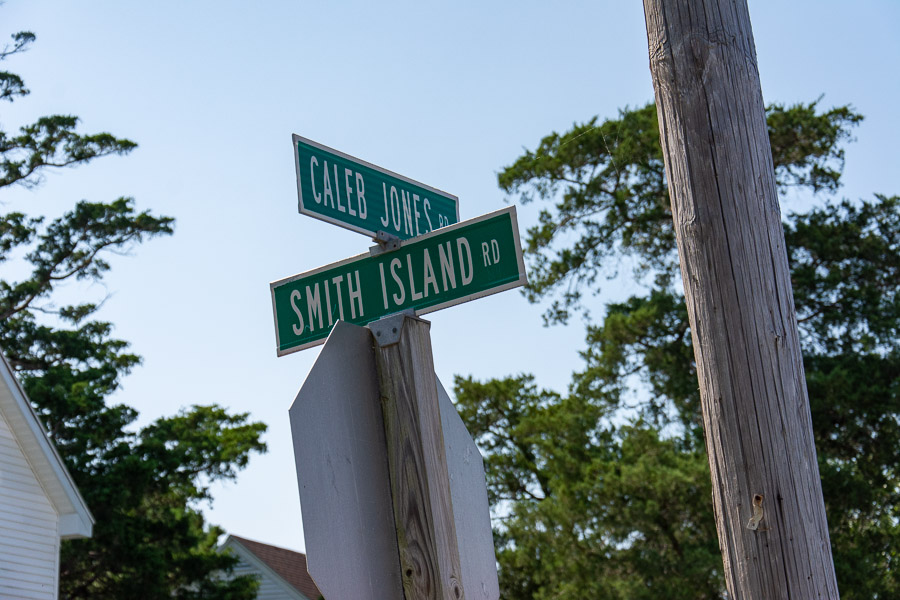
143 487
604 491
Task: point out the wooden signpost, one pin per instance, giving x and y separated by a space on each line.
417 460
391 484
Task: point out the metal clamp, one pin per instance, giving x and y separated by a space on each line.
387 329
387 242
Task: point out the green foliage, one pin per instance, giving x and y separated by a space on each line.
608 181
806 146
605 492
846 270
609 197
150 541
52 142
71 247
645 336
143 487
589 510
11 85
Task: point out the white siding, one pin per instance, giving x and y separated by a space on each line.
268 588
29 540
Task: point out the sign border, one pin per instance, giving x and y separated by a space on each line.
520 260
309 213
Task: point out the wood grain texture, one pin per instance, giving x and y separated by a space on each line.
767 495
420 486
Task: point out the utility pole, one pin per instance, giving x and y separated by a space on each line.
767 494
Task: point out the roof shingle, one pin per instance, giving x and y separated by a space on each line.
289 565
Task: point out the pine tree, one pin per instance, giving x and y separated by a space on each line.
144 488
604 491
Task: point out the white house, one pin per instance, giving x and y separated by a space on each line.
39 503
282 573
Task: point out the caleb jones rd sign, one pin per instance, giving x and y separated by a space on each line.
452 265
351 193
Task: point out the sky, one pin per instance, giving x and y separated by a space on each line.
444 94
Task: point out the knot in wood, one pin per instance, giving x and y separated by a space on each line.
753 523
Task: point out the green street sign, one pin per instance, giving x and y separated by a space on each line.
349 192
449 266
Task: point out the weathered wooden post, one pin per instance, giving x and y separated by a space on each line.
417 462
767 493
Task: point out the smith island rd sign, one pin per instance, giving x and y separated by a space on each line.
452 265
359 196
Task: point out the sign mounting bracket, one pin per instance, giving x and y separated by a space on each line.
386 243
387 329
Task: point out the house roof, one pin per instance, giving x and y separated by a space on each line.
290 566
75 519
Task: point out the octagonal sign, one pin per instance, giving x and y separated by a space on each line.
342 472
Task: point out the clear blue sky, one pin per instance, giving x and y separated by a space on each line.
445 94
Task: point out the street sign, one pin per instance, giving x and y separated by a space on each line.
362 197
342 472
462 262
